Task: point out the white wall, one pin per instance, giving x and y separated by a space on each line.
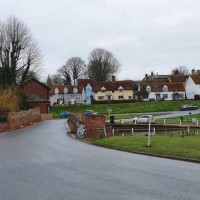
191 88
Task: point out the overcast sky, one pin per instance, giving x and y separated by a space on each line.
144 35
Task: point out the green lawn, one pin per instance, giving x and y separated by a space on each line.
187 147
138 107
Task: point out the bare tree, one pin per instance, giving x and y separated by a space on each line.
181 70
75 67
19 53
56 80
102 65
64 73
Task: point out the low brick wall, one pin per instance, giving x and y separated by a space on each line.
20 119
3 127
47 116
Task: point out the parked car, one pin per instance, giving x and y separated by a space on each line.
64 114
189 107
91 112
143 119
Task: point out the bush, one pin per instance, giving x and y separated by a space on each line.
12 99
197 97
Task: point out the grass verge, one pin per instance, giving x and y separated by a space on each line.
187 147
137 107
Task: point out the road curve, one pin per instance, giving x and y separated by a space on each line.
43 163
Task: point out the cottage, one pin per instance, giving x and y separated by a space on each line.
193 86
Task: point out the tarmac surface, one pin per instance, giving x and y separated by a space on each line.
43 163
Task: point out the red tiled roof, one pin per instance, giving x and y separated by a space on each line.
84 82
178 78
158 87
196 78
62 87
111 86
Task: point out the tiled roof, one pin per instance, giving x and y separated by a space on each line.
111 86
62 87
196 78
178 78
158 86
84 82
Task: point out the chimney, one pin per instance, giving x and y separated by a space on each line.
113 78
146 77
193 71
49 83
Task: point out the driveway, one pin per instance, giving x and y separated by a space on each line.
43 163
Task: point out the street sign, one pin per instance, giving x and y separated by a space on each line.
150 120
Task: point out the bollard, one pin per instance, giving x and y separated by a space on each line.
132 131
180 122
113 131
105 132
154 131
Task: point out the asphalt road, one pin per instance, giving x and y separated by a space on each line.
165 114
43 162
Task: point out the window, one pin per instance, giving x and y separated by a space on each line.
88 89
56 91
165 96
75 90
120 97
181 96
120 90
130 97
145 96
165 89
148 88
103 91
77 99
65 90
100 98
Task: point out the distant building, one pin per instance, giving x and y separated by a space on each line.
38 94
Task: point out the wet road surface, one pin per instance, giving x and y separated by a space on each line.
43 162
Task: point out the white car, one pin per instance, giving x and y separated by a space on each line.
144 119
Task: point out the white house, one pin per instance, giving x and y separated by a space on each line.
165 91
192 86
66 94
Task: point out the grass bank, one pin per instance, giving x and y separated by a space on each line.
187 147
137 107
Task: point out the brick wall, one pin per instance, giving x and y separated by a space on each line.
33 87
20 119
46 116
93 121
4 127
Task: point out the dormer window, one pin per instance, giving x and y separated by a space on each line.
120 89
75 90
56 91
165 89
65 90
103 90
148 88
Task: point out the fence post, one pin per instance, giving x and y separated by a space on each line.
113 132
132 131
164 121
154 131
105 132
180 122
188 130
135 122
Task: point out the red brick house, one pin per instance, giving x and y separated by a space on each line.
38 94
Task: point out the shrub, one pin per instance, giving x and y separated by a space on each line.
12 99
